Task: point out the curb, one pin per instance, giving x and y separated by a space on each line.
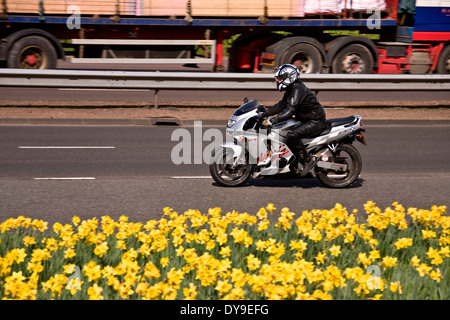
406 122
183 123
229 104
373 122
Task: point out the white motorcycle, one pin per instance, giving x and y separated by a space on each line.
253 151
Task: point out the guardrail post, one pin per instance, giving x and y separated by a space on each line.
156 98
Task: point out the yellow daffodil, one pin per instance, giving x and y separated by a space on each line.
225 251
335 250
95 292
389 262
395 287
403 243
164 261
230 254
28 241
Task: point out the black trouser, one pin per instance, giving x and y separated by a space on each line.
307 129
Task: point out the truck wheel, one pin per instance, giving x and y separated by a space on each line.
32 53
305 57
444 61
355 59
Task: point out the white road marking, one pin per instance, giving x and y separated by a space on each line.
65 178
191 177
99 89
67 147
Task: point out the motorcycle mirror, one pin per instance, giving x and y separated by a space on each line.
245 99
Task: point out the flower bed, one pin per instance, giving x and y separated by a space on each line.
397 253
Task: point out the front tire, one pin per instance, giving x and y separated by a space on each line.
32 53
345 154
444 61
225 172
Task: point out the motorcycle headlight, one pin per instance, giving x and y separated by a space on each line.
231 123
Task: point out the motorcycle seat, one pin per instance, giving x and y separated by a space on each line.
326 130
329 124
340 121
334 123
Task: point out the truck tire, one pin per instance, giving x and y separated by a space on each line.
32 52
353 59
443 66
304 56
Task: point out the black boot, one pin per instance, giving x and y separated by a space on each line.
301 157
305 159
308 164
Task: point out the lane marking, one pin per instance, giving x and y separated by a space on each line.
99 89
65 178
191 177
67 147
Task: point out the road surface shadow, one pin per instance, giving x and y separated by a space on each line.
305 183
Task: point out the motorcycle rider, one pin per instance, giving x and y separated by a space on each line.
299 102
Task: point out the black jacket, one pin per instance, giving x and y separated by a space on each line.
298 100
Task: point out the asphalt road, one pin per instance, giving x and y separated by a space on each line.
127 170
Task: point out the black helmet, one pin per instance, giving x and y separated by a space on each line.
286 75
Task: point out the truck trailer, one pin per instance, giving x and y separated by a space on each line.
318 36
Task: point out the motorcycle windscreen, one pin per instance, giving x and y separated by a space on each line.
246 107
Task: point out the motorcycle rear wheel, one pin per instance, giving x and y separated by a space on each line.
349 156
225 173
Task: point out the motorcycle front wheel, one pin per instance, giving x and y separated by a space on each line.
345 154
227 170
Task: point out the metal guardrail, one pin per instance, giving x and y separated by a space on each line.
214 81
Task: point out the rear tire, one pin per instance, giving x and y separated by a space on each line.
343 179
225 173
32 53
353 59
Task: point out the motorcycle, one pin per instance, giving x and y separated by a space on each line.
254 151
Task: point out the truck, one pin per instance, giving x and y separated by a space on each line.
318 36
